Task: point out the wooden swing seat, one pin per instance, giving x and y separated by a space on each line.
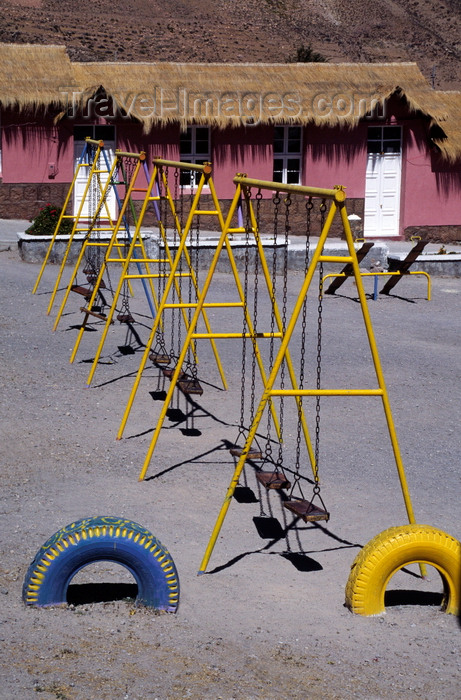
93 278
252 454
190 385
84 291
306 510
125 318
103 317
273 480
159 358
169 371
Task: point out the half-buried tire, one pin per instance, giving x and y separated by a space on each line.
103 538
394 548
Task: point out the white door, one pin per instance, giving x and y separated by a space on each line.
106 133
383 178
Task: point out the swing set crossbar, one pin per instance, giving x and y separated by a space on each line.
336 194
325 392
204 336
204 168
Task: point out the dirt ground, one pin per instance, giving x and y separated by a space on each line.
267 621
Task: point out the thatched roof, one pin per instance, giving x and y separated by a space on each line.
449 122
226 94
33 75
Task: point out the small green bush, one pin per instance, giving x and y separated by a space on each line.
306 54
45 222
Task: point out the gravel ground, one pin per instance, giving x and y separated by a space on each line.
268 620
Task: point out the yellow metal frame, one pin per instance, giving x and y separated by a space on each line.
63 214
386 274
114 244
172 274
337 198
90 227
199 307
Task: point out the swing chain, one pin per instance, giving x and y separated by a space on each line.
276 203
258 198
309 207
323 208
245 312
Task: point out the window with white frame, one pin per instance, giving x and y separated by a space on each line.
194 147
287 154
384 139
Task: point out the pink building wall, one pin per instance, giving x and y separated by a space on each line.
335 156
241 150
30 142
430 188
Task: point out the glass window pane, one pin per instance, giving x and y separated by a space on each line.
294 145
391 132
391 147
374 132
104 132
278 170
293 168
293 177
201 147
278 145
185 177
294 132
201 133
82 132
374 147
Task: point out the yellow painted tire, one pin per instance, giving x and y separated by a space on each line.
394 548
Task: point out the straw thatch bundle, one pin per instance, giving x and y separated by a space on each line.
34 76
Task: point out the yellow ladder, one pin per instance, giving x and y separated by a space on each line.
153 194
115 245
85 225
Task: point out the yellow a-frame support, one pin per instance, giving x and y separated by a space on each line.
93 228
250 332
138 249
337 198
157 190
83 163
90 159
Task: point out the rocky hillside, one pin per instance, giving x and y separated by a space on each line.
425 31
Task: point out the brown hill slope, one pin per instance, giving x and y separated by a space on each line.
425 31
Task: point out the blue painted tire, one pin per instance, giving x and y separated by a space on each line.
103 538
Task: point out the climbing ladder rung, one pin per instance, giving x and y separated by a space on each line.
252 454
103 317
206 212
273 480
306 510
190 385
84 291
